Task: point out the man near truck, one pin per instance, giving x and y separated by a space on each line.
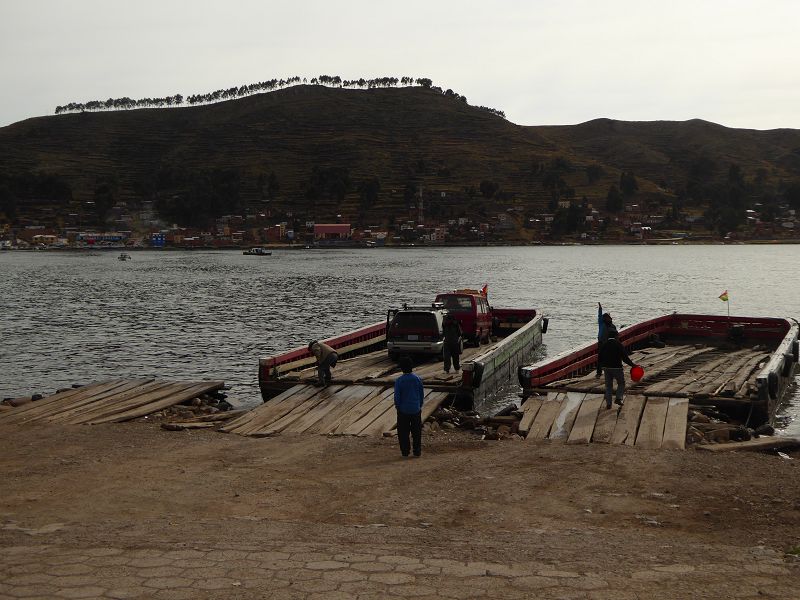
452 342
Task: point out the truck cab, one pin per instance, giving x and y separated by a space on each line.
473 312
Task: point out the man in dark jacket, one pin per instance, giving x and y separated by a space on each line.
604 325
408 396
610 358
452 342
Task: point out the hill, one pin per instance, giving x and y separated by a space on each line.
313 152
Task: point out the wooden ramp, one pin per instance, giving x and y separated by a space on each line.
581 418
108 402
362 410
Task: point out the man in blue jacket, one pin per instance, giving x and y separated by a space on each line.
408 395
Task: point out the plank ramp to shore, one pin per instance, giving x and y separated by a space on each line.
361 410
581 418
108 402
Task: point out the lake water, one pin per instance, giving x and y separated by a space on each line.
77 317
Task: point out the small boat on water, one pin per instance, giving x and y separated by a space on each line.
741 366
124 256
257 251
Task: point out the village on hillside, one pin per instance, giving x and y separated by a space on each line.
572 222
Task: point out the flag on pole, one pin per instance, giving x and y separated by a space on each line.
485 289
724 296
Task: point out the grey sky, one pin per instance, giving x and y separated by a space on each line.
732 62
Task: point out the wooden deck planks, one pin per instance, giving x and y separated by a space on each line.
628 420
583 428
651 428
249 416
40 408
161 391
315 413
385 402
529 411
562 425
676 424
605 425
543 421
323 397
360 409
272 410
340 406
192 391
76 414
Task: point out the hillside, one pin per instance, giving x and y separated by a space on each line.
317 152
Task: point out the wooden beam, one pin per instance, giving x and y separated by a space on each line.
530 409
756 444
543 421
581 432
675 426
628 420
562 425
651 428
604 427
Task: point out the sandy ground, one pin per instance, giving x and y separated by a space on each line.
133 511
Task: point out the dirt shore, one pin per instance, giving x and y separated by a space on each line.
133 511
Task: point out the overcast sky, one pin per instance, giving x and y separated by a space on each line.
734 62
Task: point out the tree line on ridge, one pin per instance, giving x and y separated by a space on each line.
126 103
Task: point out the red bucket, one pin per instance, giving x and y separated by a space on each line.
637 373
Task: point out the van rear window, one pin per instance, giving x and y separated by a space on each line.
415 321
457 303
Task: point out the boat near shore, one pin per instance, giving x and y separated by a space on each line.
364 360
257 251
736 369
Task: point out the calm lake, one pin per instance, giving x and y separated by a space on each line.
77 317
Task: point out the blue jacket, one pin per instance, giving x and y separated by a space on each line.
601 325
408 394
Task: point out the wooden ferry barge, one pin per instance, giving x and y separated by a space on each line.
740 365
364 360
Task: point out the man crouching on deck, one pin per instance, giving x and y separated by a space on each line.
326 358
408 395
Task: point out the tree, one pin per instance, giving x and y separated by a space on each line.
103 201
792 195
594 173
614 201
628 184
488 188
273 187
8 203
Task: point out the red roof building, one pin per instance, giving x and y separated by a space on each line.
331 231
